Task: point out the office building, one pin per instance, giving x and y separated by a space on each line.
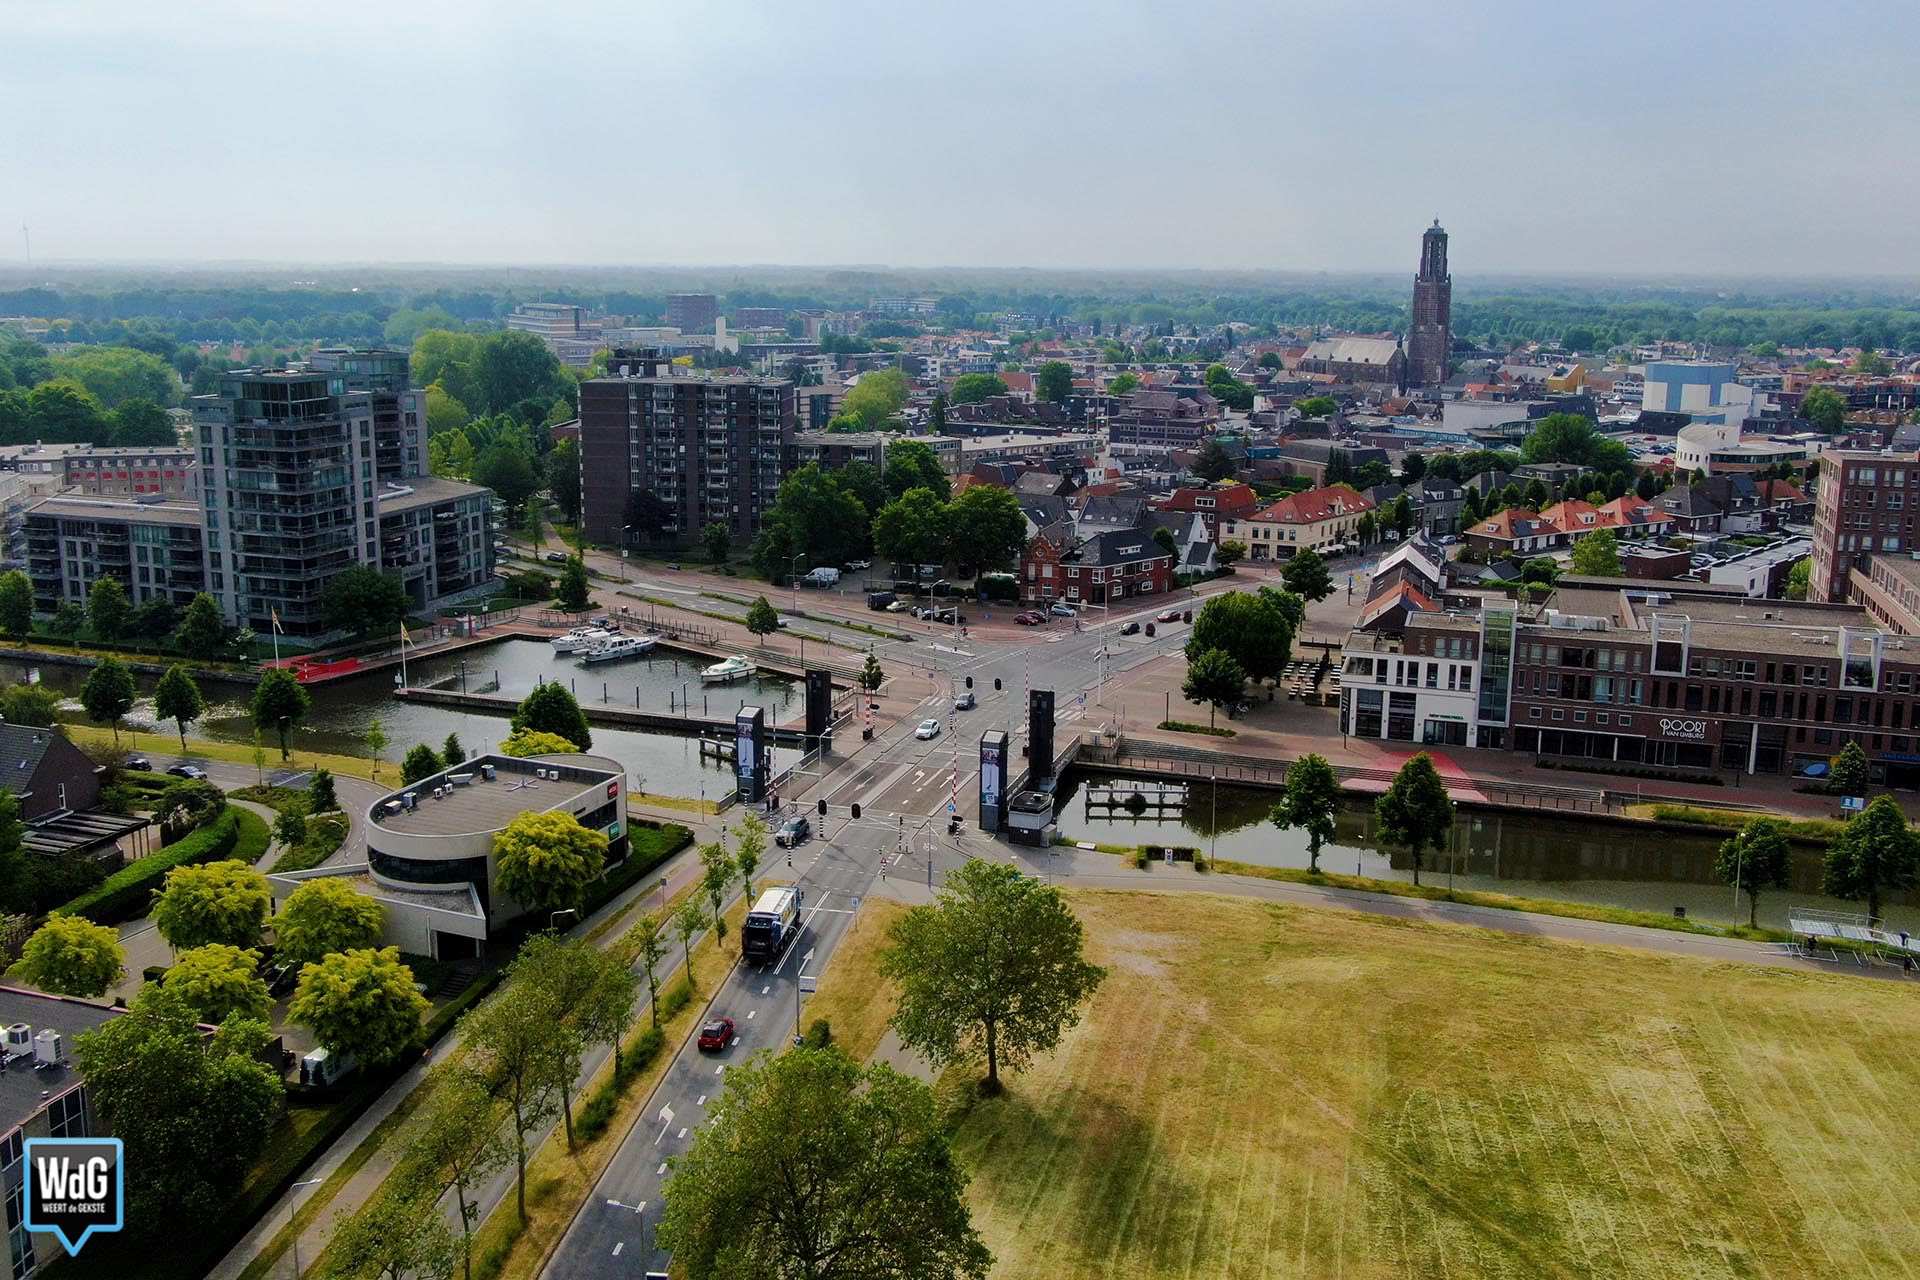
1430 344
552 320
1703 390
692 312
430 861
663 456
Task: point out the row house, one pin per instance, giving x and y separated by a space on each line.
1059 565
1517 529
1316 520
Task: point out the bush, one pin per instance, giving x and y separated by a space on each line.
819 1034
128 892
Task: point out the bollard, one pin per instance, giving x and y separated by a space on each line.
603 691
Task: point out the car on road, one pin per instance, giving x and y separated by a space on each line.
1187 616
793 833
1061 609
1167 615
1031 618
929 728
137 762
716 1035
1129 628
878 600
856 566
187 771
948 616
554 557
965 702
898 606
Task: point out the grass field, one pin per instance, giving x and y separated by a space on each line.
1261 1090
853 998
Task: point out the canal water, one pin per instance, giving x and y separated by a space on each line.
1532 855
665 681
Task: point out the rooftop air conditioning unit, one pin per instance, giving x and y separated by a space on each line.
18 1039
47 1047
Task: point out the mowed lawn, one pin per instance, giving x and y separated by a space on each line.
1262 1090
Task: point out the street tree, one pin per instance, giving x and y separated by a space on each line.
1755 858
455 1143
421 762
985 529
645 943
546 861
762 620
1254 628
1306 576
16 603
1053 381
573 592
716 876
1876 853
1231 552
994 967
551 708
108 607
398 1235
363 600
192 1112
718 540
1824 408
563 478
972 388
360 1002
1416 812
1847 771
71 956
517 1049
1214 678
1597 555
912 529
871 676
587 988
279 703
688 921
217 980
108 694
375 737
1309 802
750 846
324 917
911 464
224 901
320 793
177 698
809 1165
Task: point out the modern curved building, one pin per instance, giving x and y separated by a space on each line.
429 856
1717 448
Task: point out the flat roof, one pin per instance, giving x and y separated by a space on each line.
423 491
457 899
23 1091
479 806
86 507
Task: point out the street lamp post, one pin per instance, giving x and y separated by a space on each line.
798 560
291 1225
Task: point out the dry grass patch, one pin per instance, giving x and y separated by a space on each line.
1265 1090
854 999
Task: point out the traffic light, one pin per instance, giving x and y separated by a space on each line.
996 684
856 813
822 808
969 682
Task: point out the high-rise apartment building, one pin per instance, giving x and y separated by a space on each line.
663 456
1865 507
692 312
399 410
1430 344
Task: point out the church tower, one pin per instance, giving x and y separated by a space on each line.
1431 341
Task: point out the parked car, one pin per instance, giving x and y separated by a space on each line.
188 771
942 588
880 599
1186 615
1061 609
716 1035
1167 615
857 566
1129 628
899 606
1031 618
554 557
793 833
138 762
929 728
947 616
1149 631
965 702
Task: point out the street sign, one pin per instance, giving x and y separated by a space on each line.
1853 804
856 902
808 983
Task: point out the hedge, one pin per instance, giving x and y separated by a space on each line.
651 843
127 892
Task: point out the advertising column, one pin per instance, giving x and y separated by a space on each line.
750 754
993 780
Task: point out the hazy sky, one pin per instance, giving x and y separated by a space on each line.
1753 136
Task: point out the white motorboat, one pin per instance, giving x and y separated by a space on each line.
580 638
615 647
727 670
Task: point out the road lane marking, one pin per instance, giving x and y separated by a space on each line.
618 1247
681 1136
662 1169
666 1122
717 1070
702 1102
751 1012
763 991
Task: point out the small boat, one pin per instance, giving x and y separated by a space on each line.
615 647
727 670
579 638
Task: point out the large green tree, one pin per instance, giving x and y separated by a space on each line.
1876 853
1215 679
360 1002
1569 437
364 600
1825 408
525 1055
178 698
455 1143
1415 813
911 464
1253 627
1754 859
279 703
108 694
762 619
912 529
589 990
971 388
202 632
876 398
108 607
813 518
985 530
117 375
994 968
545 861
1306 576
573 592
217 980
1309 802
551 708
509 472
563 478
16 603
1597 555
809 1165
325 916
71 956
1053 381
1847 770
400 1234
225 902
192 1112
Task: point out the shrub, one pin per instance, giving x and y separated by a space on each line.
127 892
819 1034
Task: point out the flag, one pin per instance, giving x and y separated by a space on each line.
404 637
274 614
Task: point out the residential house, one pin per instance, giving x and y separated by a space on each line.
1318 520
1101 570
1632 517
1214 503
1691 509
46 773
1439 502
1515 529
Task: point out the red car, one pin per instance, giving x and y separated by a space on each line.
716 1035
1029 619
1167 615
